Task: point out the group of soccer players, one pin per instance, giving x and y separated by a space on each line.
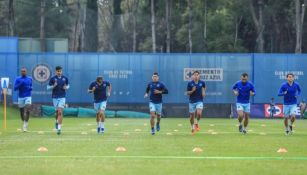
196 90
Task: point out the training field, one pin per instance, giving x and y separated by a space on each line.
79 150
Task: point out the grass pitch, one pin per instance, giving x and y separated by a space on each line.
80 150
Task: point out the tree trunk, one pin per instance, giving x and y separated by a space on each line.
190 26
299 21
168 27
205 23
11 18
258 23
237 31
42 26
134 15
153 26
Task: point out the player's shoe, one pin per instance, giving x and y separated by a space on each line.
56 125
193 132
197 127
102 130
152 131
287 132
244 131
24 129
240 128
98 130
158 127
291 129
58 132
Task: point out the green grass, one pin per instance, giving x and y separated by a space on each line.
226 152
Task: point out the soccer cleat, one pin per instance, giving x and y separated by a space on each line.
197 127
98 130
193 132
158 127
152 131
240 128
290 126
58 132
24 129
102 130
244 131
56 125
287 133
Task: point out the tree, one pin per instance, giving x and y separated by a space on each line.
299 23
258 21
153 26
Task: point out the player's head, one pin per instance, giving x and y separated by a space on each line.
99 79
290 77
196 75
244 77
23 71
155 77
58 70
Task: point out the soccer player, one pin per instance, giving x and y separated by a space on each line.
58 84
303 108
196 90
23 84
101 90
290 90
243 90
156 89
272 108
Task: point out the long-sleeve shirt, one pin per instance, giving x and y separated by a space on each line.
23 85
151 87
294 90
244 90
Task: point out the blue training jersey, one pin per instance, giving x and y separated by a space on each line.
152 86
196 96
100 93
290 98
23 85
58 91
244 91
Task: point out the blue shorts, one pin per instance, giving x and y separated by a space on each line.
22 102
59 102
289 110
194 106
101 106
245 107
155 108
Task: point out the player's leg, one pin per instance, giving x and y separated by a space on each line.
192 109
102 115
158 115
246 111
286 118
60 108
240 116
27 108
292 117
152 117
199 111
21 105
55 104
96 107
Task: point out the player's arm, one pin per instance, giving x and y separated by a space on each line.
298 91
109 89
163 90
204 88
30 86
190 89
52 84
235 89
17 84
252 92
147 91
91 88
66 85
282 91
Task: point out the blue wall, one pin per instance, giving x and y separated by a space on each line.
129 73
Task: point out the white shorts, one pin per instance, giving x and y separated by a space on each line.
59 102
100 106
289 110
194 106
155 108
22 102
245 107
